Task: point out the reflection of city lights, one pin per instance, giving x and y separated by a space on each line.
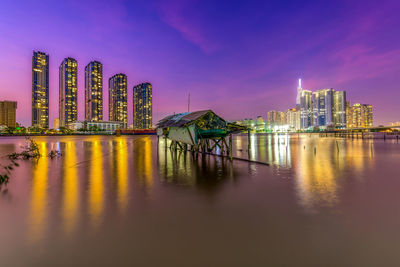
122 174
96 184
70 188
39 208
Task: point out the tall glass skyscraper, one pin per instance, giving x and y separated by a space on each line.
40 89
142 106
339 109
68 94
306 109
323 107
118 98
299 90
94 91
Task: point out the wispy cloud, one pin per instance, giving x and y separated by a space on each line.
178 14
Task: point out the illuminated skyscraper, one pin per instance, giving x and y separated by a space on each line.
40 89
8 113
299 90
359 116
94 91
68 94
323 107
118 98
142 106
293 118
305 109
339 109
276 118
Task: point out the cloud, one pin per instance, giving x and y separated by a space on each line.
179 15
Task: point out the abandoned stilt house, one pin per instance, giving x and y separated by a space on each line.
199 131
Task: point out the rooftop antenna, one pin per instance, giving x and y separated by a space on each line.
189 102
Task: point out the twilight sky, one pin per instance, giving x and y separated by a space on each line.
239 58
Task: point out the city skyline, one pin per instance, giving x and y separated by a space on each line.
205 57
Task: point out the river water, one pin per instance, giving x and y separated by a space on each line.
124 201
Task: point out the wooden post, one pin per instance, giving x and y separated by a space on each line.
230 146
248 139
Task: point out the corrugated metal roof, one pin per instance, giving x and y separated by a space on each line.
182 119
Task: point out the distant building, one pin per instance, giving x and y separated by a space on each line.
118 99
299 90
40 89
260 124
103 126
68 93
339 109
8 113
142 106
293 118
276 118
323 107
56 123
359 116
94 91
306 108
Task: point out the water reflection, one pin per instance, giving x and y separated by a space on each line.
143 161
39 196
121 163
70 188
96 183
203 172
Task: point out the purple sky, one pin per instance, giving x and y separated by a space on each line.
239 58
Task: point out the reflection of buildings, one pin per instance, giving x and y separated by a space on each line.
205 172
40 89
70 199
120 166
143 161
96 183
39 203
320 165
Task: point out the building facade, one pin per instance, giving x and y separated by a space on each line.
8 113
299 90
102 126
276 118
118 99
94 91
68 94
359 116
40 89
293 119
339 109
323 108
142 106
306 109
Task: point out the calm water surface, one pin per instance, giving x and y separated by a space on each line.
124 201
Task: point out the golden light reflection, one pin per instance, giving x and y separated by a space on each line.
96 186
317 169
39 202
143 157
70 189
122 173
